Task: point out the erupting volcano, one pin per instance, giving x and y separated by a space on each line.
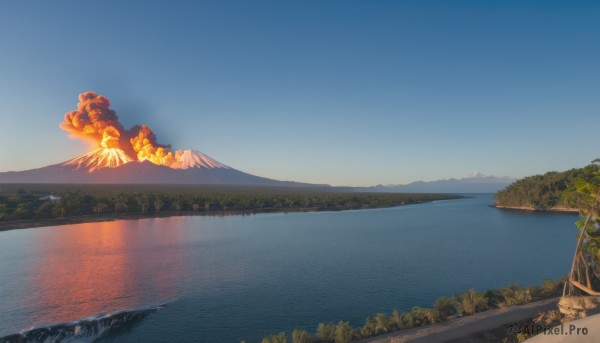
100 158
130 156
94 120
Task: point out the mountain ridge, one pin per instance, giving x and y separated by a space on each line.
476 183
143 172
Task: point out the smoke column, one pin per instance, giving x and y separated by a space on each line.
93 120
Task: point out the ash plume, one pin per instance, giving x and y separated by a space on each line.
93 120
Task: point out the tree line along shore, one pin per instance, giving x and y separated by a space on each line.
544 192
37 205
444 308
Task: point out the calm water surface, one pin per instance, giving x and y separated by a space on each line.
224 279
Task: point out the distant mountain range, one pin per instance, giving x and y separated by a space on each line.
114 167
476 183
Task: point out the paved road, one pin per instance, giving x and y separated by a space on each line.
464 326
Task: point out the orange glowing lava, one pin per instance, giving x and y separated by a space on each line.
100 158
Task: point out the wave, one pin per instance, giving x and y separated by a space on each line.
83 330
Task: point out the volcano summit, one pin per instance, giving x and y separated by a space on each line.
130 156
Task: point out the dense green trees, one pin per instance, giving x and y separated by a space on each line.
543 191
584 193
585 196
31 201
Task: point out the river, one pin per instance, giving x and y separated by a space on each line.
233 278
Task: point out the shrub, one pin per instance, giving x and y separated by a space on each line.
326 332
278 338
492 297
432 316
368 329
343 332
418 315
381 324
550 288
473 302
395 320
515 295
408 321
445 306
301 336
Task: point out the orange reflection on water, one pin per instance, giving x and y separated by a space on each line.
94 268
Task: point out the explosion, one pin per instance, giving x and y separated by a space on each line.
93 120
100 158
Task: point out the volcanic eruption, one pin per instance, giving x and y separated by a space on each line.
95 121
122 156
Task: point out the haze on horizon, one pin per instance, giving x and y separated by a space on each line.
339 92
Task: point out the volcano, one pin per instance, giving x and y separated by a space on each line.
196 159
113 166
100 158
131 156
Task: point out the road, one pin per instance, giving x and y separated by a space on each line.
464 326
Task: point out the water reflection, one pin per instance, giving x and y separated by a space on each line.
102 267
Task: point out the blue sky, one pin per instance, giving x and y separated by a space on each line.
338 92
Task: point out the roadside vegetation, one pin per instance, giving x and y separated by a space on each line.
542 192
443 309
18 202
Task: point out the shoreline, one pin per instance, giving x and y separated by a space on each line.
460 328
555 209
98 218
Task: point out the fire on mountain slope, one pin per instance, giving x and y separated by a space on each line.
100 158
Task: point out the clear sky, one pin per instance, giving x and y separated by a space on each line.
338 92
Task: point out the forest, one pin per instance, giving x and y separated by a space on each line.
19 202
543 192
